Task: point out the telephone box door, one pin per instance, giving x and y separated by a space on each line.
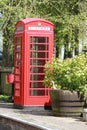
40 53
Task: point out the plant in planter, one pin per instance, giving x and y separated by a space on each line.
70 79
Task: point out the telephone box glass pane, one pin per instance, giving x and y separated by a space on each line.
37 70
38 62
39 39
38 92
18 47
42 47
39 54
18 40
36 77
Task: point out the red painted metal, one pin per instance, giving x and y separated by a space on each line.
33 47
10 78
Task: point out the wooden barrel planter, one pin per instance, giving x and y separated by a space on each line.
66 103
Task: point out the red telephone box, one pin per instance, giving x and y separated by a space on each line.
33 47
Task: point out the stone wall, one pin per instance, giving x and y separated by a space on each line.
8 123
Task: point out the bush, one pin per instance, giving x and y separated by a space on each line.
4 98
70 74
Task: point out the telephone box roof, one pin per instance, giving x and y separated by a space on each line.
28 20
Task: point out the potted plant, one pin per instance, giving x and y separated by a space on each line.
69 77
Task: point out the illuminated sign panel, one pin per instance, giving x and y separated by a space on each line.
45 28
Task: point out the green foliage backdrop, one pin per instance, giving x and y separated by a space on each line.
69 18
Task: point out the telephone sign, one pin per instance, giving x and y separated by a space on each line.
39 28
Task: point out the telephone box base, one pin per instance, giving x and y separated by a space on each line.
32 107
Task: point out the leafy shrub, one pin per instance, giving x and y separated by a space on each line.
70 74
4 98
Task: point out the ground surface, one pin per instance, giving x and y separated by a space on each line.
43 117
